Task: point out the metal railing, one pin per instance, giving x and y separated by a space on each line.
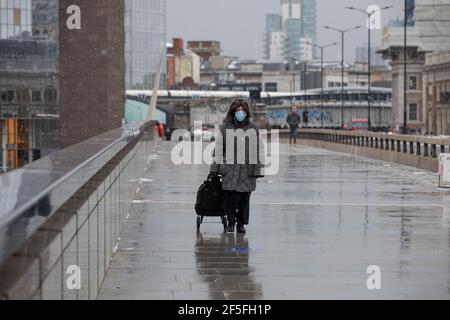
422 147
61 216
414 145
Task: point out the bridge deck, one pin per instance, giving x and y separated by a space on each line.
314 230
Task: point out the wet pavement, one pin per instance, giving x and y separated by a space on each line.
314 230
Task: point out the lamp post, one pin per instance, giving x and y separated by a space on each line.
305 73
342 32
369 15
405 81
322 48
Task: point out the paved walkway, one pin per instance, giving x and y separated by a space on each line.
315 228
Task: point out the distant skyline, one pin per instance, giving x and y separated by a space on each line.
239 24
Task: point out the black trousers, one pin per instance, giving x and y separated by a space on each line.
293 134
237 207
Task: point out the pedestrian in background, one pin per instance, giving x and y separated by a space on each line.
293 120
305 117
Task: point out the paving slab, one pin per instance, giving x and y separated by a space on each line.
315 228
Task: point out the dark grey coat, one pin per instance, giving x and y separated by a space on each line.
293 119
237 177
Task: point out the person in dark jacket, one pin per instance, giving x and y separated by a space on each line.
293 120
305 117
241 168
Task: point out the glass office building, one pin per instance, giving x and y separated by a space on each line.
274 23
145 42
15 18
298 21
309 20
29 82
293 30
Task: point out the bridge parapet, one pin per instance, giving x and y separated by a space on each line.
418 151
61 216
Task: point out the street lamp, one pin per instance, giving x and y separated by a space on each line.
343 32
321 76
305 73
369 15
405 81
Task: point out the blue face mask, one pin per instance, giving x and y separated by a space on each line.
240 116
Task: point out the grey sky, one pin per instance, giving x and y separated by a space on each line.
239 24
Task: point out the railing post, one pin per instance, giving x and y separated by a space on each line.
418 151
405 147
425 150
433 151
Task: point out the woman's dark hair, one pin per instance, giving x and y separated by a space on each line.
236 105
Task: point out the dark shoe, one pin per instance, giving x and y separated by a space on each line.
240 229
230 229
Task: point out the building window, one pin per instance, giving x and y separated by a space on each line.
413 112
50 96
36 96
17 17
4 96
438 93
412 83
271 87
8 96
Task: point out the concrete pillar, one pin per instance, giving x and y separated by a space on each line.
91 70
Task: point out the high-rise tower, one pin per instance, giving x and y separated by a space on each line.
292 31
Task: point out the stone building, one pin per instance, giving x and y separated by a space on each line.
436 96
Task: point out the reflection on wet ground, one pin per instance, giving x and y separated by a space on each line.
315 229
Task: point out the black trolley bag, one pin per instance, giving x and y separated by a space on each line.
210 200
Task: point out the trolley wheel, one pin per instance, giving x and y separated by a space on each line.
199 222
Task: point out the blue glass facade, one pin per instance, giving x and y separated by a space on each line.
145 42
309 20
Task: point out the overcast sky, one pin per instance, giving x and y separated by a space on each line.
239 24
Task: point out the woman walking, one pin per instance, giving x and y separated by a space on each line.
241 168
